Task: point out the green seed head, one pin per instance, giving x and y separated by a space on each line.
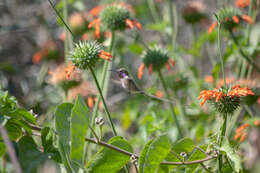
225 16
113 17
85 54
158 57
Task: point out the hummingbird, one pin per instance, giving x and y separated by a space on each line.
129 84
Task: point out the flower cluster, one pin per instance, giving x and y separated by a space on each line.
225 101
155 59
242 3
113 17
241 133
230 18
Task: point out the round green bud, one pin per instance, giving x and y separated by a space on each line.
85 54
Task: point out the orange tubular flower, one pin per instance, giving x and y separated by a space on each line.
247 18
256 122
243 137
209 79
141 71
96 10
212 27
105 55
37 57
242 3
90 102
159 94
69 69
235 19
225 101
96 23
132 23
240 132
168 66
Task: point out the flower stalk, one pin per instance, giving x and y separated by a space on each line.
170 104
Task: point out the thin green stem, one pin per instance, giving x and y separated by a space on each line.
220 140
103 100
220 55
246 57
170 104
153 11
174 23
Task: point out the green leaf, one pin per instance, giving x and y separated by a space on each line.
27 115
233 158
30 157
196 155
108 160
154 152
157 26
62 115
183 145
48 139
14 131
79 125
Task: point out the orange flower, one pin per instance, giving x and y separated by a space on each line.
84 36
235 19
209 79
172 62
69 69
243 137
256 122
159 94
96 23
105 55
212 27
37 57
247 18
132 23
141 71
90 102
236 91
76 20
168 66
242 3
96 10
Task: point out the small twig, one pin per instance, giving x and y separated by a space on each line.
176 155
10 149
94 133
136 168
101 143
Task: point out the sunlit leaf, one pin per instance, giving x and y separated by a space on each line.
154 152
108 160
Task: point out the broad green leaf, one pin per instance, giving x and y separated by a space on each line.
62 115
153 154
30 157
233 158
14 131
2 149
27 115
79 125
108 160
136 48
48 139
157 26
183 145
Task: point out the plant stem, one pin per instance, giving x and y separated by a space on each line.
10 150
174 23
153 11
170 104
220 139
103 101
104 144
248 59
220 55
105 74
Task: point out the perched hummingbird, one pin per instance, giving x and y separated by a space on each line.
128 83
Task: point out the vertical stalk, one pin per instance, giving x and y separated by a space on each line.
104 84
103 100
68 40
220 55
220 139
170 104
153 11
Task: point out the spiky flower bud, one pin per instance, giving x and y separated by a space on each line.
86 54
